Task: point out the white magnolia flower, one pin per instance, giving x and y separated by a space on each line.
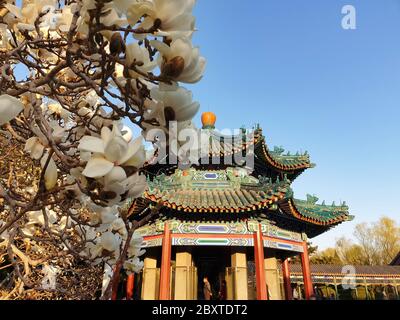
135 10
34 147
107 275
136 53
91 99
127 133
59 133
176 19
133 265
49 58
110 241
172 105
118 225
89 232
112 18
50 175
107 214
186 143
87 108
135 245
50 277
110 152
93 249
135 251
5 36
65 19
57 109
108 17
10 107
180 61
98 119
30 11
133 186
4 235
36 218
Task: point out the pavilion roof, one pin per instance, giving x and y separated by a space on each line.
215 191
233 190
217 187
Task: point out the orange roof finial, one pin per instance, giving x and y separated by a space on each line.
208 120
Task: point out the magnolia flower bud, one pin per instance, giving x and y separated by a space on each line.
98 37
107 195
169 114
173 68
117 44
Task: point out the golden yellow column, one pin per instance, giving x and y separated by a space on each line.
183 279
239 274
272 278
229 283
150 283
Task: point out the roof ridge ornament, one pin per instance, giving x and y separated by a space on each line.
278 150
312 199
208 120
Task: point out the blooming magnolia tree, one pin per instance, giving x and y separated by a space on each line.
76 76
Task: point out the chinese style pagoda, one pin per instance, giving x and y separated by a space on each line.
235 225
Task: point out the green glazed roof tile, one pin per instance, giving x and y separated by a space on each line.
312 212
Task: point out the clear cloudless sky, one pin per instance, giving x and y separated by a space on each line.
311 85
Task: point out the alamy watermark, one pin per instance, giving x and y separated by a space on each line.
349 280
349 20
188 146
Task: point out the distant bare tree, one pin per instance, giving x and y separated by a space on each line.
377 244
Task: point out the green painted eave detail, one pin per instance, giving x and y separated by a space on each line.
290 159
322 212
278 156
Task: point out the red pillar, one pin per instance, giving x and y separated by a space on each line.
286 279
129 286
164 293
305 265
259 264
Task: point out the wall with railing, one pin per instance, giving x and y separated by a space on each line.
335 287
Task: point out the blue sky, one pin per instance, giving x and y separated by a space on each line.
311 85
290 66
